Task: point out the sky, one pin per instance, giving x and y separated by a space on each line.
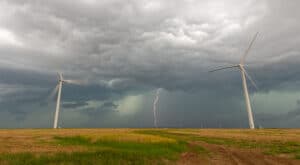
122 51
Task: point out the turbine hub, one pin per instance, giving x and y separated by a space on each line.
60 80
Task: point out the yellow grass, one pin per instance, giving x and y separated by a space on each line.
39 140
282 135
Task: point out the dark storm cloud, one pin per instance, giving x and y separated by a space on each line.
106 106
109 105
24 77
289 119
74 105
128 48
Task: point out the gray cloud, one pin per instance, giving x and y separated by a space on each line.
289 119
129 48
74 105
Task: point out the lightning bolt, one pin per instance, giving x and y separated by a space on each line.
155 106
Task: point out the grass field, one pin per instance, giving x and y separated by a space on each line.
149 146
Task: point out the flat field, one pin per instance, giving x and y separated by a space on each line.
149 146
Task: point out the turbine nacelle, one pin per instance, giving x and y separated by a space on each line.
60 78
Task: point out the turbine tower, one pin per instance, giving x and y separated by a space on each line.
58 89
59 85
244 74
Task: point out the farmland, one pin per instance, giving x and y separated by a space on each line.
149 146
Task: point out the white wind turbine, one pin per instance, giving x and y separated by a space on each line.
58 89
244 74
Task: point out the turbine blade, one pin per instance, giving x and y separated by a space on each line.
247 50
54 91
233 66
250 78
60 77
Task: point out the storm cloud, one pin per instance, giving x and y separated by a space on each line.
123 50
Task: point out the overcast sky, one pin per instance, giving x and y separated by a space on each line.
124 50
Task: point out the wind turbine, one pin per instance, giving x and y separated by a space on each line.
244 74
58 89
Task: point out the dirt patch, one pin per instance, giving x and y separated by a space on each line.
190 158
235 156
221 155
193 158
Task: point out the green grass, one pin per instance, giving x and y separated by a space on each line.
73 140
161 149
80 158
102 152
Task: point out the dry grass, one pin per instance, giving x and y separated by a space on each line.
282 135
39 140
150 146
